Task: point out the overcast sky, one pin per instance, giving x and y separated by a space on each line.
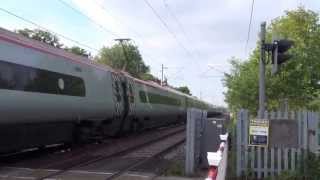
202 35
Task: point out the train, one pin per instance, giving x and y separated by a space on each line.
50 96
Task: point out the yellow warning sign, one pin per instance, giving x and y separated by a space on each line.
259 132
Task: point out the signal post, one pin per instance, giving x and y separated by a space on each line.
278 49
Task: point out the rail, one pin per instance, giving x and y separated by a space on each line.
110 155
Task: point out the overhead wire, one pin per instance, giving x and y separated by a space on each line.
90 19
46 29
164 23
250 22
139 36
116 20
175 18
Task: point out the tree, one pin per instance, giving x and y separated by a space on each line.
115 57
184 89
78 51
298 80
51 39
150 77
40 35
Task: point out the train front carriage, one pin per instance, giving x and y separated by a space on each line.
45 91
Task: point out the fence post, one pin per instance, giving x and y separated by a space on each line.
305 130
286 163
272 162
239 142
279 167
293 159
266 158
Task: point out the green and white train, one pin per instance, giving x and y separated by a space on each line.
50 96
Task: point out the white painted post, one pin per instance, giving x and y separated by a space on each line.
305 130
259 163
279 160
272 162
292 115
253 156
285 115
266 158
278 115
244 146
246 155
272 115
317 129
293 159
299 117
299 154
239 141
286 163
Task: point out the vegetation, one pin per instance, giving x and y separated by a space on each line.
78 51
115 57
309 168
51 39
184 89
298 80
175 168
40 35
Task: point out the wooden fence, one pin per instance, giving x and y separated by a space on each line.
260 162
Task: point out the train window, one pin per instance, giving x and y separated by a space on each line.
131 93
159 99
143 96
24 78
61 83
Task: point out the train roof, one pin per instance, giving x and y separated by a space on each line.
21 40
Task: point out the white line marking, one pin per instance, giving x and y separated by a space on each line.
138 175
18 168
29 169
89 172
21 177
50 170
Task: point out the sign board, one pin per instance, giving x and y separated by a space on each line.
259 132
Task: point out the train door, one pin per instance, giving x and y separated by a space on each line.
129 102
131 98
124 102
119 103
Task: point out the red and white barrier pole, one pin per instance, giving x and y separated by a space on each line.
214 159
212 173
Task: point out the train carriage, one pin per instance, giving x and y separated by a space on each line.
49 96
157 105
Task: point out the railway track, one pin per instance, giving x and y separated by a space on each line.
117 148
154 150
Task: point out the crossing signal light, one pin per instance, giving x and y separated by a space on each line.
279 53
